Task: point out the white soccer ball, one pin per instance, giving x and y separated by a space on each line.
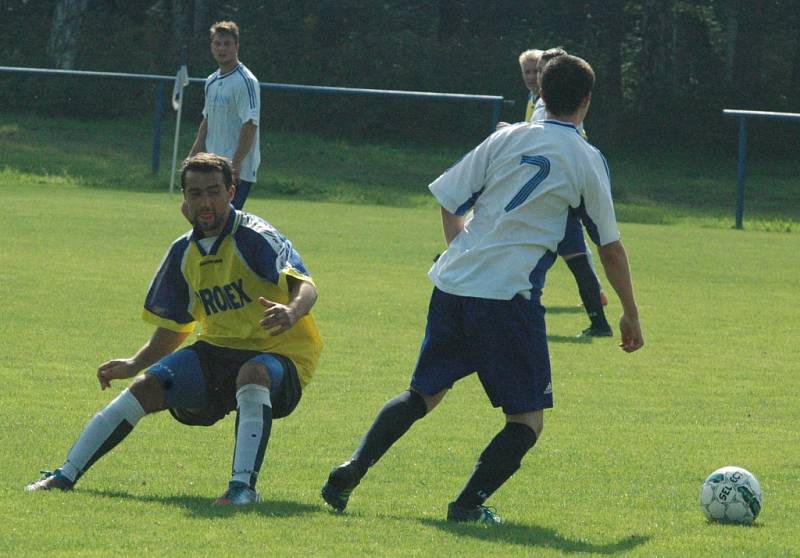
731 495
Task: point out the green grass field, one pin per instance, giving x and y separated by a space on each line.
617 471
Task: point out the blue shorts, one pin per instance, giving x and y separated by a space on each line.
199 382
504 341
242 191
573 241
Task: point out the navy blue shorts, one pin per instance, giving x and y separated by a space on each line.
504 341
573 241
242 191
199 382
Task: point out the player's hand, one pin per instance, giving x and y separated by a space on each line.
119 369
631 333
277 317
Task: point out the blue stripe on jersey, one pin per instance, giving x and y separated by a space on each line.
265 250
588 224
168 296
467 205
250 89
539 272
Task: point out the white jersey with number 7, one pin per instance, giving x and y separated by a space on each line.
519 183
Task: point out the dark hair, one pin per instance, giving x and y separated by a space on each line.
566 81
549 54
226 28
207 162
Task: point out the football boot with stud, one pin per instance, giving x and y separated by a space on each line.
341 482
238 494
51 480
479 514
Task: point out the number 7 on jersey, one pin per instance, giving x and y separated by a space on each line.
544 169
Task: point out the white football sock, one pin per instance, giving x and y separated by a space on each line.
253 425
106 429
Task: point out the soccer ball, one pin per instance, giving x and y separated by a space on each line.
731 495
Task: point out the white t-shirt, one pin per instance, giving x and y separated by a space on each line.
231 100
519 183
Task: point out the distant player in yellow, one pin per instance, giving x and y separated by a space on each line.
529 66
249 290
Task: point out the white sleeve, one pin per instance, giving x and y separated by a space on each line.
598 201
458 187
248 101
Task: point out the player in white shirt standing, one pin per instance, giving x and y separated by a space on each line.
232 111
485 314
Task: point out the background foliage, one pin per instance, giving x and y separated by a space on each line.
665 67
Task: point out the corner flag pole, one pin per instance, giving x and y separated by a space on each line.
181 81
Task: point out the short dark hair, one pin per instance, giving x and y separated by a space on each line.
566 81
207 162
226 28
551 53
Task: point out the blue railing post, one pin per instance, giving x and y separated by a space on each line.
743 115
497 107
740 173
159 112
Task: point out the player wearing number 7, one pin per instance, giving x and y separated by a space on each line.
247 287
485 314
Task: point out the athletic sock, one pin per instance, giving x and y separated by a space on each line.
253 426
392 422
589 289
501 458
106 429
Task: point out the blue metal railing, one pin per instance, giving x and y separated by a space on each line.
743 115
495 102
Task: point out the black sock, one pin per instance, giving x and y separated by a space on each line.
392 422
501 458
589 289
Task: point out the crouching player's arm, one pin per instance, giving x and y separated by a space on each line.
280 317
161 343
615 264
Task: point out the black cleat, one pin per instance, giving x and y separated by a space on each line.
341 482
596 331
479 514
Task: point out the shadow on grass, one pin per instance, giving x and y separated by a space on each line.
564 309
533 536
197 506
569 339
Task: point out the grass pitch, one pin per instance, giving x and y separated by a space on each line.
617 471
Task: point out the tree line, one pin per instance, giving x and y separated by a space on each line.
665 68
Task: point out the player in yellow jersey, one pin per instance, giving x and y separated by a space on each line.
529 66
249 290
